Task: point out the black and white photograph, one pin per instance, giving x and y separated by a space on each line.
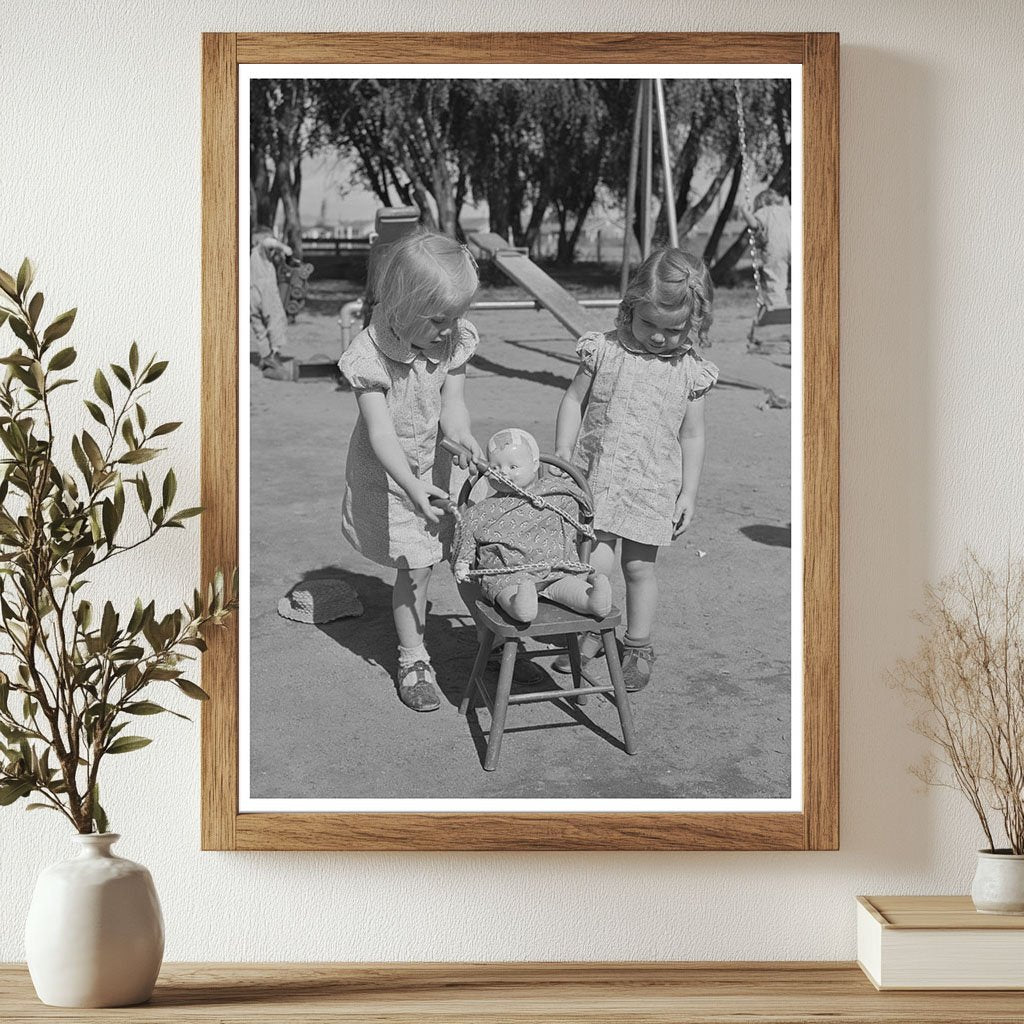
520 437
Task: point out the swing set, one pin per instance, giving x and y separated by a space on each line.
545 293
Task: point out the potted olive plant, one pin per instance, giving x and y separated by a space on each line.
967 682
78 672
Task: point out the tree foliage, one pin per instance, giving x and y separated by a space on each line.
530 148
286 124
82 672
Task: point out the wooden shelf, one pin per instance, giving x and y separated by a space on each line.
638 993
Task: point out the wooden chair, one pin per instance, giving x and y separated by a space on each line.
495 628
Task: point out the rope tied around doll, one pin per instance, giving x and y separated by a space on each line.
539 502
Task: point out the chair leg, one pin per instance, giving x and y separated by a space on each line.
611 653
501 695
483 651
572 641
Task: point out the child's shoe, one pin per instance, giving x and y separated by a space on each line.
591 646
420 691
637 666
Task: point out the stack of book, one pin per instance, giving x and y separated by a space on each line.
938 942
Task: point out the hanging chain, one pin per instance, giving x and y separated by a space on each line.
744 165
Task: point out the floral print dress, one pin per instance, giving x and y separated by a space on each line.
378 519
628 445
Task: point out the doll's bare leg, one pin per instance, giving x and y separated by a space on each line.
591 596
519 600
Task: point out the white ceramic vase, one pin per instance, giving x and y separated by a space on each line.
95 934
999 882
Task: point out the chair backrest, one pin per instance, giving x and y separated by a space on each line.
586 514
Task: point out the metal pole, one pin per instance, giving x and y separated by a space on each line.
648 169
634 159
666 167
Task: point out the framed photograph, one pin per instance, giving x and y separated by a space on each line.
422 253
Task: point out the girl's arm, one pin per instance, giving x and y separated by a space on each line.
570 413
455 425
748 216
691 440
386 446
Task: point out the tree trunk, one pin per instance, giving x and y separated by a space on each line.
460 198
711 249
686 162
562 248
696 212
540 208
422 200
497 211
264 200
779 95
285 184
573 240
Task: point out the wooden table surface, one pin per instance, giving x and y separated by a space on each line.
659 993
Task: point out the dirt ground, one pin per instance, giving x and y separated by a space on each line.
715 721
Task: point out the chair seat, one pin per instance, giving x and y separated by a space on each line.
552 619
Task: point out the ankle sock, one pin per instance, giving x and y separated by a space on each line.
630 641
410 655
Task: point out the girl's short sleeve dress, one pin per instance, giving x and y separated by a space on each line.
628 445
377 518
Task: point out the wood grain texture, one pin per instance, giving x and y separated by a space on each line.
520 831
219 431
821 440
525 993
936 912
817 827
520 48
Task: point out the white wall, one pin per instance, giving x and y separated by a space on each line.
100 183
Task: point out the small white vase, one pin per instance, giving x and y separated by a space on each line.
999 882
95 934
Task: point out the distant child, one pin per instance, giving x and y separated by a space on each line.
267 320
641 441
772 224
522 540
407 369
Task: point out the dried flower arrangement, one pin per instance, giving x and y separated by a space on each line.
967 680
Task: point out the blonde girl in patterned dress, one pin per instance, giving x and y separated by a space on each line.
408 371
641 440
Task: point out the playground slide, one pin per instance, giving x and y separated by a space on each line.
518 266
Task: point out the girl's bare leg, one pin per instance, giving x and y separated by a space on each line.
641 589
409 604
416 676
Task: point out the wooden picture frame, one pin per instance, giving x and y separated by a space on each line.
816 825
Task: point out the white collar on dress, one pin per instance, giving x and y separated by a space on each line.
388 342
631 346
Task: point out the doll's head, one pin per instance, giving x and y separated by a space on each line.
769 197
421 286
667 305
514 453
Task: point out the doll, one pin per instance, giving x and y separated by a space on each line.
519 544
